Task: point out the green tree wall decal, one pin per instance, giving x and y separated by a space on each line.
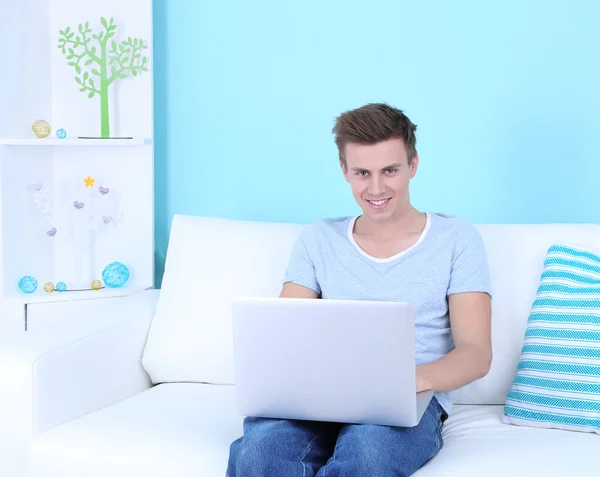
99 65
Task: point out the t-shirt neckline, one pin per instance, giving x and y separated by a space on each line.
393 257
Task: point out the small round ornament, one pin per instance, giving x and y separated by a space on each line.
96 285
48 287
41 128
61 133
61 286
115 275
28 284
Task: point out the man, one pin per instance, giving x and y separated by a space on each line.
390 252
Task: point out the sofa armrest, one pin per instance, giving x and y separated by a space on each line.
56 375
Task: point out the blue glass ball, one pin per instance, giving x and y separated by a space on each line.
28 284
115 275
61 133
61 286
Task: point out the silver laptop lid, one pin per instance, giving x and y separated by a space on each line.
329 360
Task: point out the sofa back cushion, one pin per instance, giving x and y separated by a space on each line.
516 256
209 261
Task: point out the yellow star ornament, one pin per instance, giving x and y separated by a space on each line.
89 181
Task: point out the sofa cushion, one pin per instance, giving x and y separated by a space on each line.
476 443
170 430
185 430
516 256
558 380
210 261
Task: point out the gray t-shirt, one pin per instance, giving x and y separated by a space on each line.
448 258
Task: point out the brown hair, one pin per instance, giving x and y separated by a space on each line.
373 123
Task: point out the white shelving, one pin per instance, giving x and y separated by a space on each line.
70 207
42 297
26 141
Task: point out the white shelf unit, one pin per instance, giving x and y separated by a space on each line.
69 207
83 295
28 141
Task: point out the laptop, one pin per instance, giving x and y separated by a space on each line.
345 361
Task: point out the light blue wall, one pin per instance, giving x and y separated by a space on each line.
506 95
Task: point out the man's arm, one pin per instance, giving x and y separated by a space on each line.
300 280
470 320
292 290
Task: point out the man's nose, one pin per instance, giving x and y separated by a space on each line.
376 187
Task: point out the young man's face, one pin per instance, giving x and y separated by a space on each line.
379 175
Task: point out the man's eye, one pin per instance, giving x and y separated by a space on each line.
361 173
390 171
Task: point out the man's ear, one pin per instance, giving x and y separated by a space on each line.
344 170
414 164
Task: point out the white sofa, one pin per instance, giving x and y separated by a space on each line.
147 390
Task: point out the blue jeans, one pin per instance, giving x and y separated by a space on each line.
290 448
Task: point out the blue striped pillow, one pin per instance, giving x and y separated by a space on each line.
557 384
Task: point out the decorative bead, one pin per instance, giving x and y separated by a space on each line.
61 286
41 128
49 287
28 284
115 275
96 285
61 133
